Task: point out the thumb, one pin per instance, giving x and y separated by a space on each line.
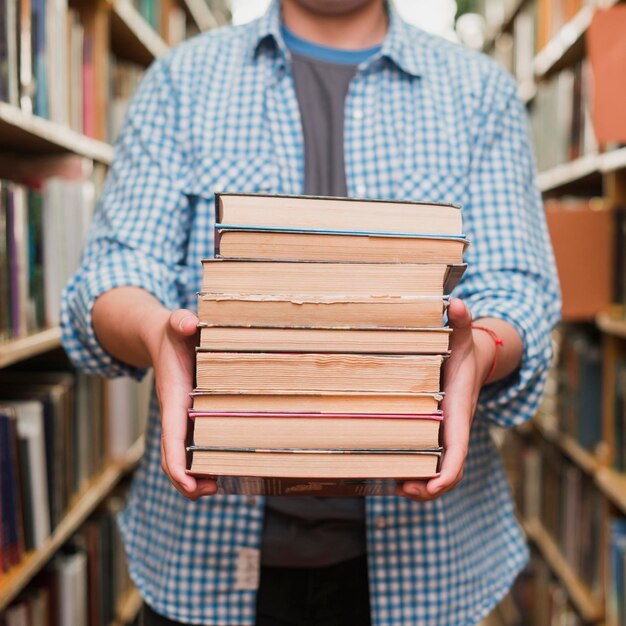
459 316
183 322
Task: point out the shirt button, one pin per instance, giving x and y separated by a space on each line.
381 522
358 114
250 501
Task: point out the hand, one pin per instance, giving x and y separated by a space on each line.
171 348
463 374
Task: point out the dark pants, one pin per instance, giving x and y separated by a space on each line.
336 595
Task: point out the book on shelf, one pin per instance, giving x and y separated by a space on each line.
583 240
84 581
616 587
606 46
296 278
561 123
321 311
271 372
316 402
44 223
11 522
336 471
286 244
318 430
346 340
580 393
314 213
321 347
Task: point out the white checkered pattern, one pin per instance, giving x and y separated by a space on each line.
425 120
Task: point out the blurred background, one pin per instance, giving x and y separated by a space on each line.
68 70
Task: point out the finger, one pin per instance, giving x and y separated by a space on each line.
184 322
413 488
173 439
451 469
459 316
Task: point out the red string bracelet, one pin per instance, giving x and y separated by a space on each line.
499 343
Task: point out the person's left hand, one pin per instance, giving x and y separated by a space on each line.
463 375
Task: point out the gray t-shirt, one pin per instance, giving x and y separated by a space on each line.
309 531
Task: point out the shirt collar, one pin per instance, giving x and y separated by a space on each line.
403 45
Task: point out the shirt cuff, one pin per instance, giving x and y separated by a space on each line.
117 269
516 398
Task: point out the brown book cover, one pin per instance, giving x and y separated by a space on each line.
330 465
309 278
307 245
316 430
320 311
606 45
312 402
264 372
582 234
342 340
323 212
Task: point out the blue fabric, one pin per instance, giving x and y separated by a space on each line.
425 120
307 48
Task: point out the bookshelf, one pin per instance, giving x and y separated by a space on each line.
27 347
98 489
24 133
590 608
26 141
128 608
582 170
132 37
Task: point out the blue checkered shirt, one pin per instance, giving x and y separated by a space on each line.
425 120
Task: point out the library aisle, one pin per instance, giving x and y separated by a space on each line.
70 442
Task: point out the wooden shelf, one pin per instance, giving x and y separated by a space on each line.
613 485
25 133
584 459
585 168
128 608
588 606
132 38
200 13
17 350
96 491
505 26
566 47
611 325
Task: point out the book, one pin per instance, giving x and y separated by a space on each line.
582 234
307 245
262 372
371 340
324 464
32 456
326 487
607 53
324 311
339 214
308 278
316 430
320 402
11 519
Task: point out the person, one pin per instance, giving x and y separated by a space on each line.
334 97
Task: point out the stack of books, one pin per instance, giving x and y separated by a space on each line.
321 347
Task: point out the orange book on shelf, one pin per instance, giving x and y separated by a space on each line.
582 238
606 45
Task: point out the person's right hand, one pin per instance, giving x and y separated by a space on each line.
171 347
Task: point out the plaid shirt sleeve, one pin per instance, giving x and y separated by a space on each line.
511 274
138 234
